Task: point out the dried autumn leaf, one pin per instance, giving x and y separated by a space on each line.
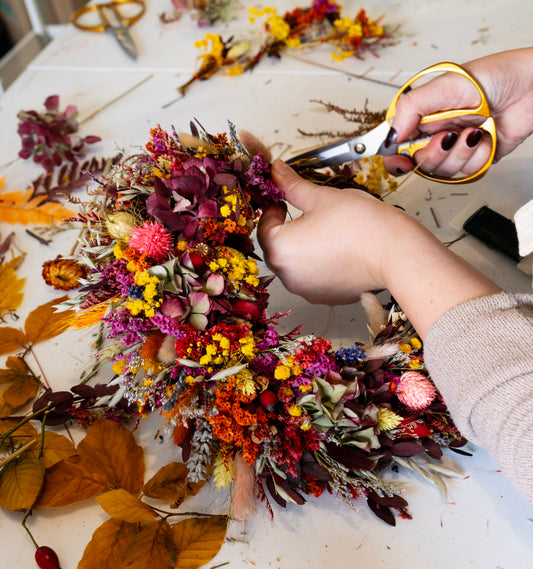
20 207
170 483
5 409
11 286
22 435
70 481
112 450
108 545
198 540
21 391
153 547
55 448
44 322
11 339
122 505
21 483
16 369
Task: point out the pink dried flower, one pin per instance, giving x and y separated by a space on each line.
415 390
152 239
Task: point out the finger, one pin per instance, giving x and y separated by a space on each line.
450 153
271 220
448 91
253 145
297 191
397 165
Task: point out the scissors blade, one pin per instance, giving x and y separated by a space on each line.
123 36
368 144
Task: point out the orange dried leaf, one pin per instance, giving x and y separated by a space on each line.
153 547
198 540
16 369
11 339
55 448
170 483
21 436
11 286
108 545
111 449
122 505
21 391
5 409
70 481
21 483
44 322
20 207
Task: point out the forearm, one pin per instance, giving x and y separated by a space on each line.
480 356
428 279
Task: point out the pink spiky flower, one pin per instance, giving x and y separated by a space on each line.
152 239
415 390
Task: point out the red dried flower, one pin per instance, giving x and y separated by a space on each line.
152 239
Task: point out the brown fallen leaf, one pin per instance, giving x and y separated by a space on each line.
170 483
108 545
198 540
20 483
122 505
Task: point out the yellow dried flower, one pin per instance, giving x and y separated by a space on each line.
388 419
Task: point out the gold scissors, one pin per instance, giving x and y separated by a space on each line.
373 142
111 19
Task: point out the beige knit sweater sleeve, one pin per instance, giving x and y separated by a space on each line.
480 356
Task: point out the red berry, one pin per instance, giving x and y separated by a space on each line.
46 558
268 399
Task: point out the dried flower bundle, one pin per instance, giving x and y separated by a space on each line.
47 136
321 23
173 277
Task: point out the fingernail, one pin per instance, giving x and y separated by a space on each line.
280 166
391 137
448 141
400 172
473 138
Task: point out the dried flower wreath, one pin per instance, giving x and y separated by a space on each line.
321 23
174 283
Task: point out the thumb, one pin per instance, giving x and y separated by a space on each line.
296 190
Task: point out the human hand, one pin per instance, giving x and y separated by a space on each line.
334 251
347 242
457 145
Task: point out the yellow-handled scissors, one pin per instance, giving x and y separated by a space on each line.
373 142
115 17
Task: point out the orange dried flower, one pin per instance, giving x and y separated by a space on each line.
63 274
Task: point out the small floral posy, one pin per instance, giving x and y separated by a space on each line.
173 276
321 23
47 136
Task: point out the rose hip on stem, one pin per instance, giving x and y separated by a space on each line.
46 558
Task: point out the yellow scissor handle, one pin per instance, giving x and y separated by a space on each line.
482 110
100 8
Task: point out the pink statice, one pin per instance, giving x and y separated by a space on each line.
153 240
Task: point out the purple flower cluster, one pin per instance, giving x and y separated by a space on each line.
258 175
122 322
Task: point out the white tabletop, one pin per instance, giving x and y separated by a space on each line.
482 523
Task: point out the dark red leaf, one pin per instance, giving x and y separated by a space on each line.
382 512
407 448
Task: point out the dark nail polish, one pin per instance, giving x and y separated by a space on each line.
448 141
473 138
392 135
400 172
